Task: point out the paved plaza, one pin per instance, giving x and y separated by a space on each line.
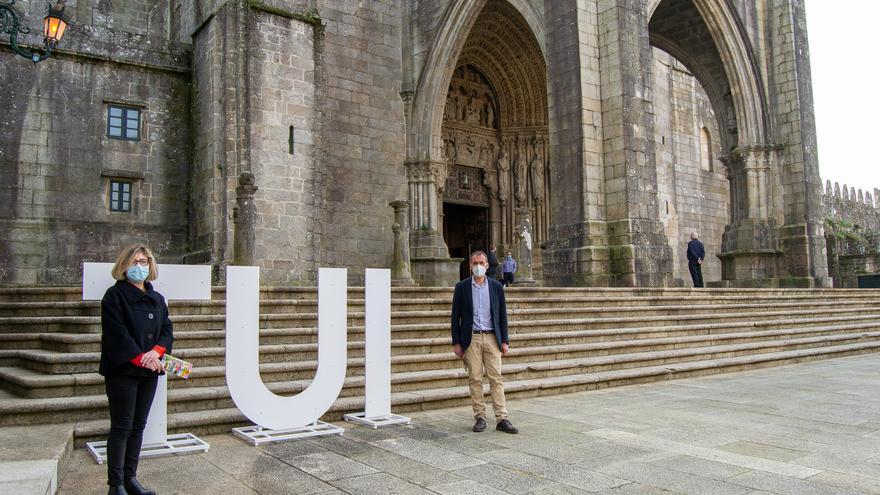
810 428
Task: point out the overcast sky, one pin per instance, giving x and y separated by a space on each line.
844 47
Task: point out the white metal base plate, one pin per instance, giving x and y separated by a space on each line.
378 421
257 435
182 443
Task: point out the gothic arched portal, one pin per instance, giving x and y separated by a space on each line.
773 214
495 137
708 38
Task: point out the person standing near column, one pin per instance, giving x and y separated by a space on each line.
508 268
479 335
135 333
492 272
695 256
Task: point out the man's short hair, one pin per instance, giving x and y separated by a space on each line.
693 235
478 252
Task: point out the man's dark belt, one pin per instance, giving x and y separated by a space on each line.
484 331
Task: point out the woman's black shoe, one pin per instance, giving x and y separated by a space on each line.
117 490
133 487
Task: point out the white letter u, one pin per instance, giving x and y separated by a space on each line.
246 388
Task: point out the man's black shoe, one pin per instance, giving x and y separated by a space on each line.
506 426
117 490
133 487
480 425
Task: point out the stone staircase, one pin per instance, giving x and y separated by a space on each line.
562 340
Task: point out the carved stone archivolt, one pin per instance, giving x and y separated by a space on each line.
470 100
490 165
495 141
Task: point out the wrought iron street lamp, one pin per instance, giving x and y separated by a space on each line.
55 23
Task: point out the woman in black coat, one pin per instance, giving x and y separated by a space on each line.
135 334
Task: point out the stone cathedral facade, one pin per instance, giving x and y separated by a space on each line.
589 137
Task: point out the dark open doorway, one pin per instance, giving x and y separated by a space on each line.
465 229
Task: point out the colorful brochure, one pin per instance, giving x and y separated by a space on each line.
177 366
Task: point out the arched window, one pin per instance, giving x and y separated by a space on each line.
705 149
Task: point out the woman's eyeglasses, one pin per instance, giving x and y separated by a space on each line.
141 262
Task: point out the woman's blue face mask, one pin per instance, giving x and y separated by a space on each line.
137 273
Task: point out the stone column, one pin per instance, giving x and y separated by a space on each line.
245 219
424 188
490 180
523 245
750 251
431 264
400 265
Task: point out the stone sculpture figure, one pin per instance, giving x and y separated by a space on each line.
449 111
503 166
450 150
469 153
472 111
536 167
520 170
461 105
490 112
485 155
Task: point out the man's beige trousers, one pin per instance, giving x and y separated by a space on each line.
484 354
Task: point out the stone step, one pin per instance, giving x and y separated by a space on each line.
403 338
72 294
54 362
563 340
220 420
305 340
611 316
596 328
442 304
29 383
520 363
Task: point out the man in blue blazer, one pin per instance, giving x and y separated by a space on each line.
479 335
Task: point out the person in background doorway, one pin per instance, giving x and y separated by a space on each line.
135 333
508 268
479 335
695 256
492 271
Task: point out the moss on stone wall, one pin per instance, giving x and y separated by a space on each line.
308 16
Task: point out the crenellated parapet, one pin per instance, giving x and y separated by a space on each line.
852 233
848 206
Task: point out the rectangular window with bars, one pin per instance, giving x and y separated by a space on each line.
123 123
120 195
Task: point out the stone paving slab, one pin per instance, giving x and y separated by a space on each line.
803 429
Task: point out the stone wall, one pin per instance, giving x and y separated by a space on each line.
846 204
307 100
852 233
361 152
57 161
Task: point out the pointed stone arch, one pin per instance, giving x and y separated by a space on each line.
426 167
424 142
733 76
771 234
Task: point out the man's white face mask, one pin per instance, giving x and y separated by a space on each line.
479 270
